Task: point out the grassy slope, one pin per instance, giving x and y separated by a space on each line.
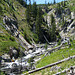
5 41
16 11
64 65
19 11
54 57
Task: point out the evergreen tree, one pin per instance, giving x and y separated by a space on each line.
34 10
48 3
1 10
54 1
28 14
59 9
39 22
64 3
34 14
46 6
31 14
53 28
23 2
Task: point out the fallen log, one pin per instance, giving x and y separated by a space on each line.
65 70
50 65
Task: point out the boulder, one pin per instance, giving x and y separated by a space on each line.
5 56
72 15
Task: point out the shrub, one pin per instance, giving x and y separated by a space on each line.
12 38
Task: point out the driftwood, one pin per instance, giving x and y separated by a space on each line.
52 50
65 70
50 65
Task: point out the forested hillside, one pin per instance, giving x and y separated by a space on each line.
37 35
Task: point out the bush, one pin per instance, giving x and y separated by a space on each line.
12 38
59 42
1 10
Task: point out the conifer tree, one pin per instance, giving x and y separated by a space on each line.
23 2
34 10
1 10
53 29
28 14
54 1
39 22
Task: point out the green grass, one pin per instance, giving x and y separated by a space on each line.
10 8
6 40
71 5
54 57
5 46
64 65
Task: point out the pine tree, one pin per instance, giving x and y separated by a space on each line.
39 22
54 2
1 10
34 10
34 14
46 6
53 28
28 14
23 2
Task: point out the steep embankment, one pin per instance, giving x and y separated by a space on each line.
15 13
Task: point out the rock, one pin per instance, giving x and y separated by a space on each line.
71 49
0 59
2 62
72 15
55 68
1 31
67 10
5 56
15 52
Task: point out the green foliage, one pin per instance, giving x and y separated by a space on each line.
71 5
34 19
1 73
64 65
1 10
54 1
35 37
54 57
28 14
27 37
34 10
53 29
12 38
59 9
38 23
4 46
46 46
23 2
31 13
59 42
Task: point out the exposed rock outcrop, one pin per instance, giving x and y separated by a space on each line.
12 26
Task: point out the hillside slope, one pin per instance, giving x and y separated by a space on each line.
14 13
